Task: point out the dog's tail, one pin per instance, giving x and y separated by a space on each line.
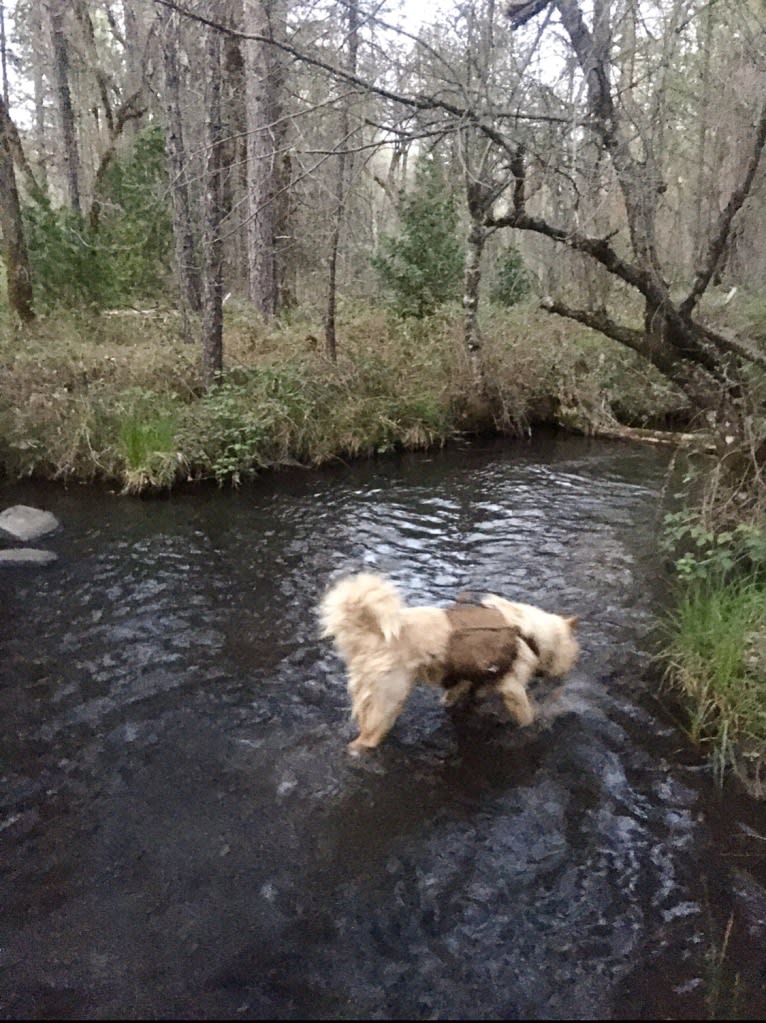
362 603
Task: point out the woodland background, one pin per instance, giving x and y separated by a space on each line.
610 148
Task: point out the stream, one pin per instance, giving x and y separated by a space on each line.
183 834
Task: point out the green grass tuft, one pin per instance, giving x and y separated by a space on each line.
715 653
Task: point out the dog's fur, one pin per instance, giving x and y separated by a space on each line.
388 647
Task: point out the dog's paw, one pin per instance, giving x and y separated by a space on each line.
358 747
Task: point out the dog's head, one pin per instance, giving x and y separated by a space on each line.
564 648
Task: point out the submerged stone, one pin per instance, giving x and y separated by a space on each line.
27 556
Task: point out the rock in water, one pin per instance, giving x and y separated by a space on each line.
27 523
27 556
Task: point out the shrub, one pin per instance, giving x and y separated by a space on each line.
422 266
120 255
512 282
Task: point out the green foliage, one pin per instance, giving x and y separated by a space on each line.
119 256
146 443
67 268
715 649
252 420
135 225
715 656
422 266
512 281
704 554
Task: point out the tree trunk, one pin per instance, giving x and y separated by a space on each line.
4 55
71 156
344 170
212 284
264 81
477 236
14 246
38 78
187 266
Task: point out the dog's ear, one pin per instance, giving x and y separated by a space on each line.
572 622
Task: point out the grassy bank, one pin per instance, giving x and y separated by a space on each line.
714 649
118 397
714 644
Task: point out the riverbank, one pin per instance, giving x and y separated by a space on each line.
118 397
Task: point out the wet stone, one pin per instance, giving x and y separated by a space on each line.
27 523
19 556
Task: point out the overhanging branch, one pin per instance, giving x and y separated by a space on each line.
599 248
737 198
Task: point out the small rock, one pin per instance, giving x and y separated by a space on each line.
27 556
27 523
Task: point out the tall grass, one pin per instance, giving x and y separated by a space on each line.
715 652
148 446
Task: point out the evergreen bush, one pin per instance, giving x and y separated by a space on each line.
512 282
422 266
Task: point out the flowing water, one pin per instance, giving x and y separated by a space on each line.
183 834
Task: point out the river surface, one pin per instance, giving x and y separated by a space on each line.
183 834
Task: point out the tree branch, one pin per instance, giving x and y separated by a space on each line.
727 341
520 14
736 200
597 319
8 128
598 248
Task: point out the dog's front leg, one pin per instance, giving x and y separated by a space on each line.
515 697
377 703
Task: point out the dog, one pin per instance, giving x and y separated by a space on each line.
472 648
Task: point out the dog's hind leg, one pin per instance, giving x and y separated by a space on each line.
376 708
514 694
456 694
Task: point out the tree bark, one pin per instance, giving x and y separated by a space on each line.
212 284
474 248
186 261
71 155
344 171
14 245
265 76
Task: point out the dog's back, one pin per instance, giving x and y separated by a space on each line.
482 646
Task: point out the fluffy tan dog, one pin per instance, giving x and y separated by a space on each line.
467 648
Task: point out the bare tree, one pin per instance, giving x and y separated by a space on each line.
344 171
186 260
117 109
265 140
71 156
695 356
214 201
15 253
